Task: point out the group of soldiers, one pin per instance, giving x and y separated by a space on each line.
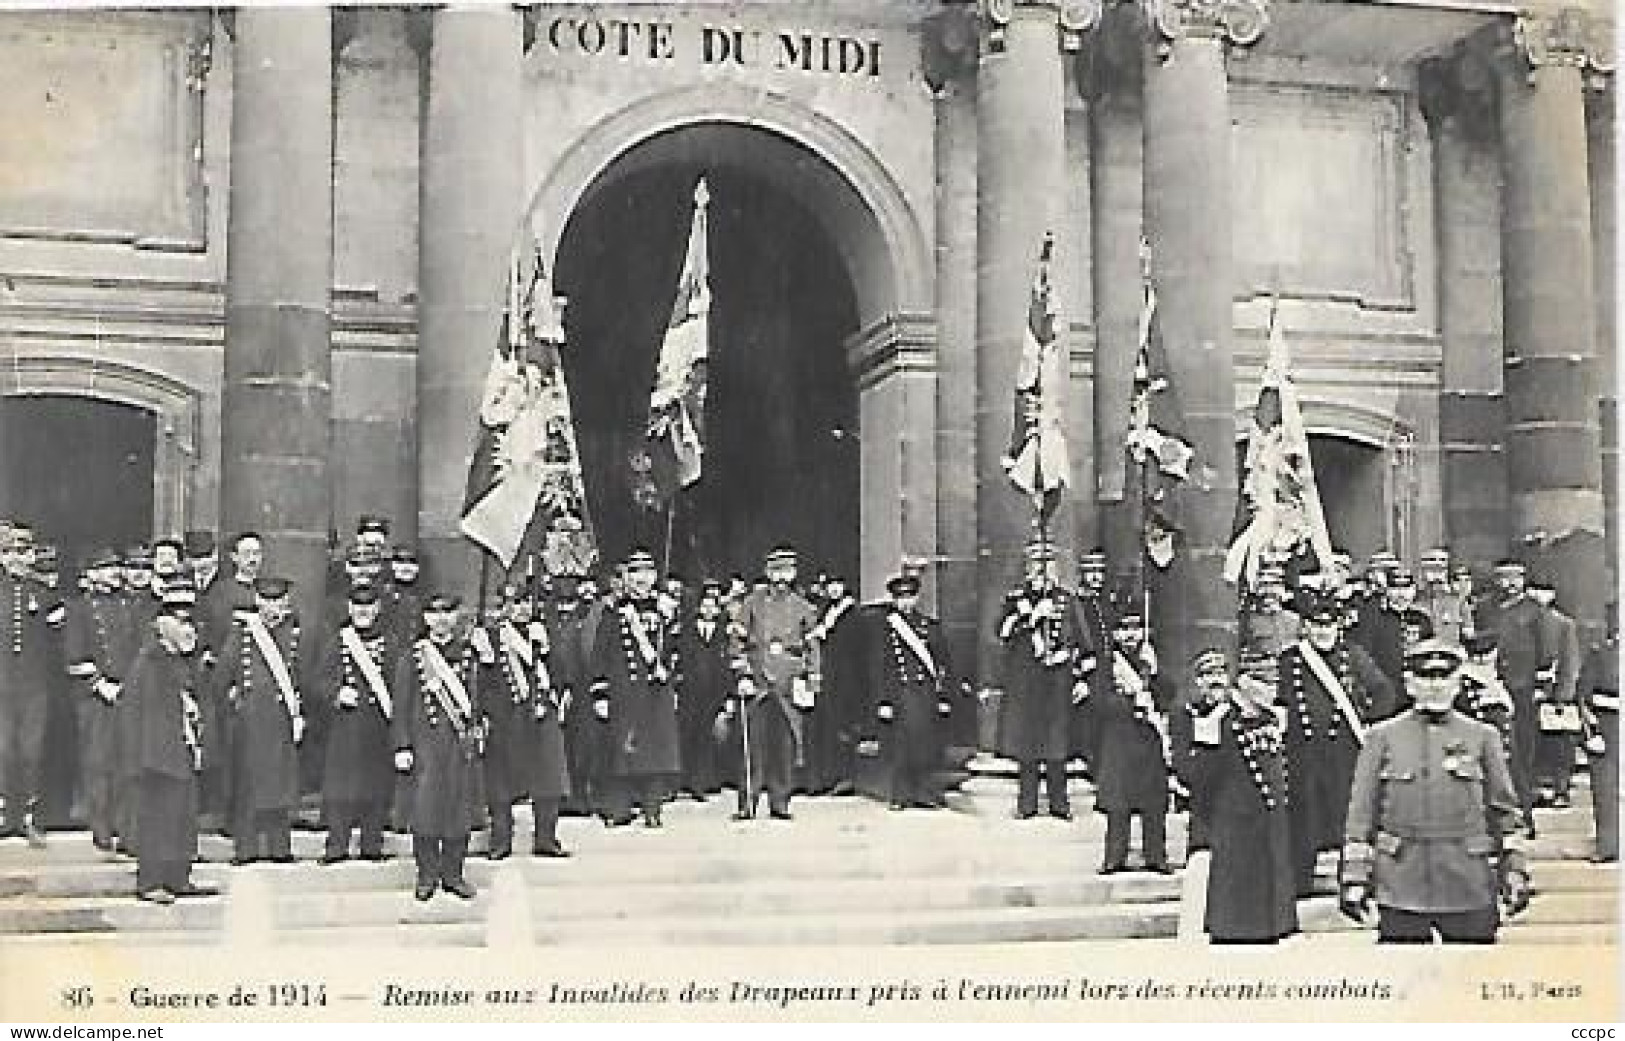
203 699
1364 713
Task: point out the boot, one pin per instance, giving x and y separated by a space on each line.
426 853
31 829
452 853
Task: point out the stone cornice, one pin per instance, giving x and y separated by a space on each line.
1570 37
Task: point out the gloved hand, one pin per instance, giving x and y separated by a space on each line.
747 687
886 713
1080 691
107 690
298 729
1515 891
349 697
403 760
944 707
1355 902
600 708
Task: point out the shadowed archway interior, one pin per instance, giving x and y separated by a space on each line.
781 461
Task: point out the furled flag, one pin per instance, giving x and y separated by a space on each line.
673 454
526 452
1158 447
1037 459
1281 515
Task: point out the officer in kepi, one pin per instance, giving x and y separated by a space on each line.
1433 817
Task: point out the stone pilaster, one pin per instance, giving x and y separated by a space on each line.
1554 454
1187 152
279 268
1601 144
949 57
469 212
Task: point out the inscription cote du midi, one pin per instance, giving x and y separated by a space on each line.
656 41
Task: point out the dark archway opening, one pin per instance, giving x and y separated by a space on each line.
781 461
1353 492
80 471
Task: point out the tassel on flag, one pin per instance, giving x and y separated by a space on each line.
1037 460
526 453
1157 443
1281 514
674 452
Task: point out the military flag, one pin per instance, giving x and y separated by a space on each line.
525 455
1037 460
1159 450
674 437
1280 514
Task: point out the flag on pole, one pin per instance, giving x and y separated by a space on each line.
1037 461
526 453
1281 514
1158 446
674 438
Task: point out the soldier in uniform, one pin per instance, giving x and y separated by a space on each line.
565 618
164 690
1526 661
352 696
779 668
1560 721
439 737
1484 696
31 611
547 773
1130 701
1268 626
257 683
1332 692
1199 713
1599 694
1431 817
403 607
1446 609
1095 639
910 677
510 712
101 648
1239 791
704 692
636 673
1042 664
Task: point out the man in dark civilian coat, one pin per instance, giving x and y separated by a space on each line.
704 692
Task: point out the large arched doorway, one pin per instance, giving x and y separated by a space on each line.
782 426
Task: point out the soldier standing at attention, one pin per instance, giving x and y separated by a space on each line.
1042 664
510 707
1332 691
910 676
1239 790
173 728
101 648
1599 694
636 674
257 680
778 662
1431 818
30 611
439 735
352 692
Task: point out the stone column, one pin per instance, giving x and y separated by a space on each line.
1457 99
1187 154
279 272
1113 84
1019 190
1554 453
470 204
949 59
1600 133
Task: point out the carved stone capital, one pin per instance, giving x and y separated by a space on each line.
1571 37
948 47
1073 18
1109 66
1237 23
